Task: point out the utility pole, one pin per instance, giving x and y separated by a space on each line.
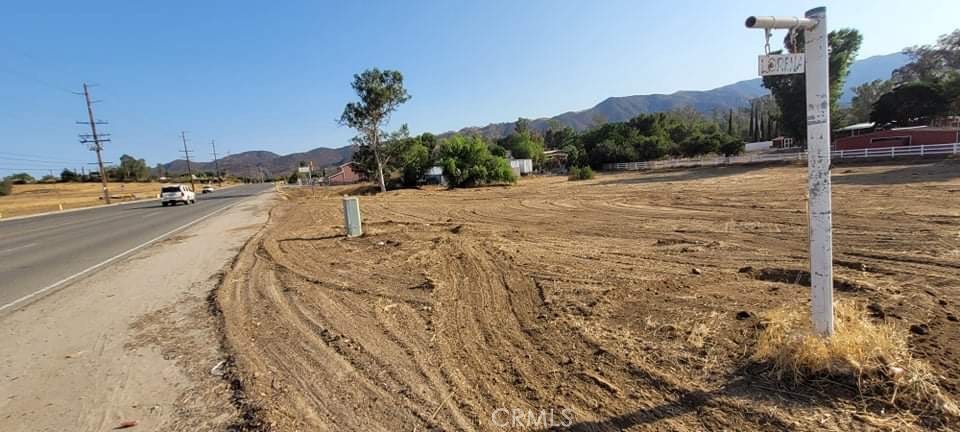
216 163
96 141
186 154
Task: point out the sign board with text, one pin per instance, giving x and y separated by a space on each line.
304 170
781 64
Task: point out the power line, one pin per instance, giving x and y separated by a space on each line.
43 157
32 77
5 168
40 161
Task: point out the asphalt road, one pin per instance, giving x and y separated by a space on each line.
43 253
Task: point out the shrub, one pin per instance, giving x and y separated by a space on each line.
874 357
6 187
20 178
732 146
581 173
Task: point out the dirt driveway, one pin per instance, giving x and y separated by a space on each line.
625 302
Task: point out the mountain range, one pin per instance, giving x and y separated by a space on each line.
272 164
738 94
613 109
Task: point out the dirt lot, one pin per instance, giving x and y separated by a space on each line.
40 198
625 302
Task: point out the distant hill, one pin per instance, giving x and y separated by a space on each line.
246 163
618 109
613 109
869 69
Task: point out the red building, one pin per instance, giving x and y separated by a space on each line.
344 175
909 136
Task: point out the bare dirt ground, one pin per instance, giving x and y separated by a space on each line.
133 342
41 197
630 300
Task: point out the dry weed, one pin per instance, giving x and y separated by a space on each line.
873 355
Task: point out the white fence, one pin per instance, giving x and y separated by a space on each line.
885 152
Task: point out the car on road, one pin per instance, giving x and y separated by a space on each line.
173 194
207 189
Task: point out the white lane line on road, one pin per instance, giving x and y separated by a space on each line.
6 251
117 257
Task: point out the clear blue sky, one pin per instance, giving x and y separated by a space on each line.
275 75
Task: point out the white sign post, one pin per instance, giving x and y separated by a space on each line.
816 65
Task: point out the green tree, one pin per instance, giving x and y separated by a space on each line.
380 93
558 137
913 103
69 176
576 156
392 147
611 151
497 150
789 91
133 169
931 62
412 160
6 187
731 146
467 161
521 126
429 140
864 96
730 123
20 178
649 147
699 144
523 143
951 91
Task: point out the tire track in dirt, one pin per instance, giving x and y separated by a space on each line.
560 295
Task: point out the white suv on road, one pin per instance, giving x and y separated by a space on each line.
173 194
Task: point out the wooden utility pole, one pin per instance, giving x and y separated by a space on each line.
216 163
96 141
186 154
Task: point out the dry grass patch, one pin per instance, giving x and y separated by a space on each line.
873 355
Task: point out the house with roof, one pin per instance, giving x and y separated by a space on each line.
345 174
896 137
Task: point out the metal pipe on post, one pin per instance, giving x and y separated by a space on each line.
816 67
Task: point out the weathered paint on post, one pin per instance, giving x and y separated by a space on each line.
818 172
351 216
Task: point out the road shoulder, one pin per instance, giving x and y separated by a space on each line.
134 342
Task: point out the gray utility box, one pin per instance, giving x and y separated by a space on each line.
351 216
